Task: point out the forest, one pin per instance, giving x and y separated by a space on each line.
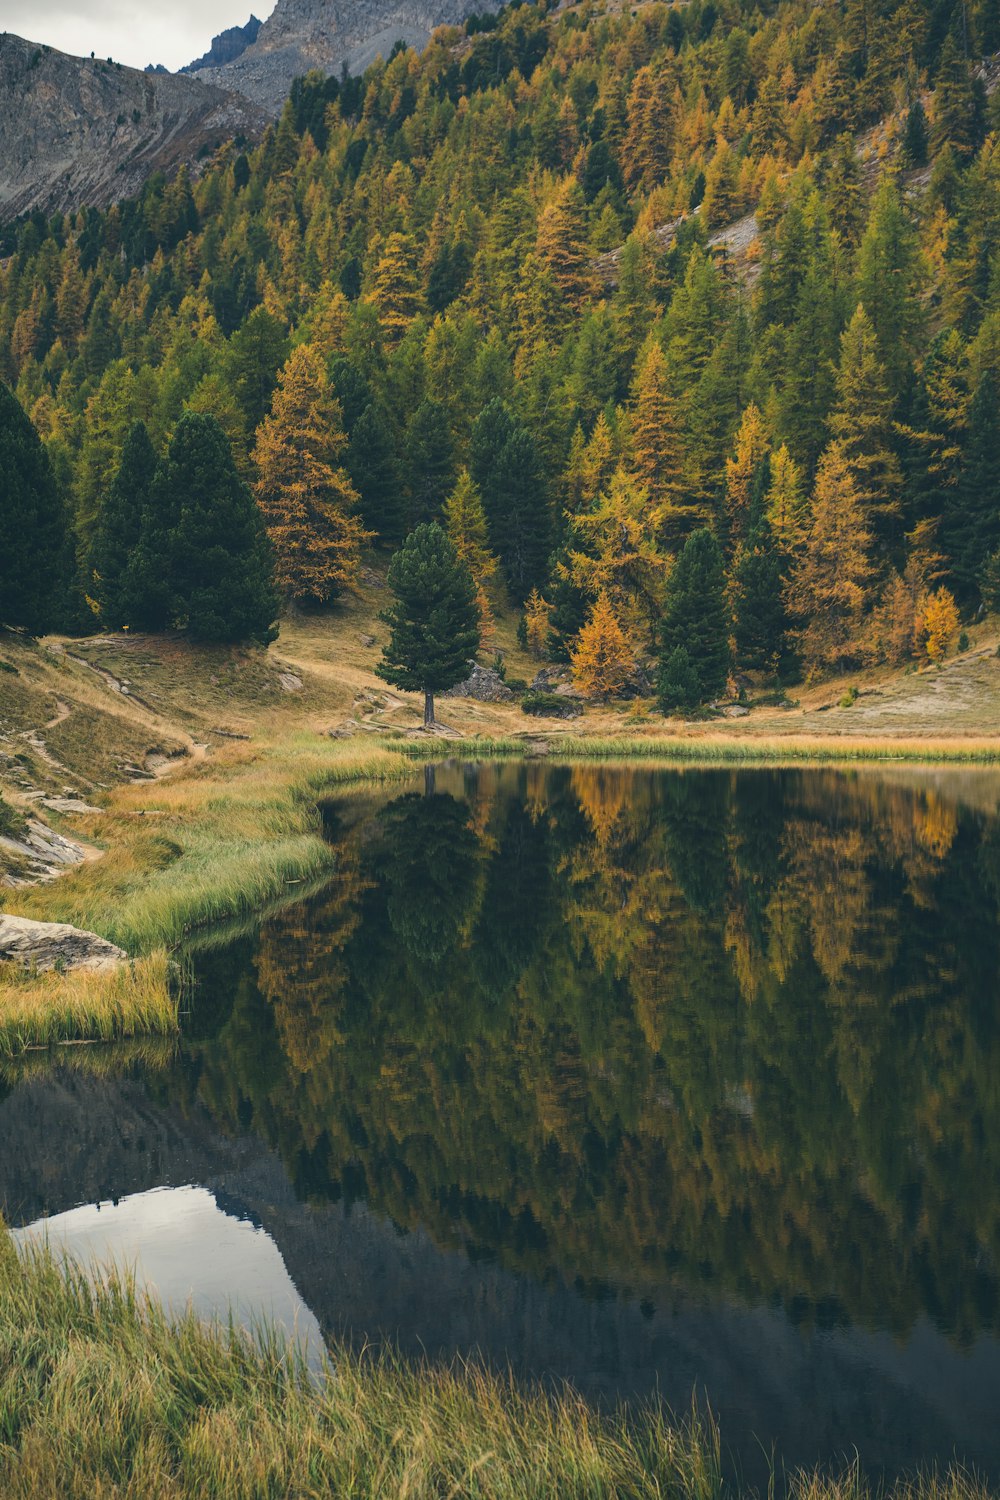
682 323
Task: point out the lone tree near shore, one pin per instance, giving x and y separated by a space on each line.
434 619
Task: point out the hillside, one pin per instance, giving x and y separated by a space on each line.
77 131
681 322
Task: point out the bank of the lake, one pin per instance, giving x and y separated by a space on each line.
231 836
101 1392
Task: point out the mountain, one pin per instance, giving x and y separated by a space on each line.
77 130
226 47
328 35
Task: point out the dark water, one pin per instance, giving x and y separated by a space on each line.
675 1082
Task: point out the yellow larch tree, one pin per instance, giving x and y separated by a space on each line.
308 501
465 523
828 589
657 449
602 657
613 551
787 504
938 625
393 289
752 446
537 623
562 244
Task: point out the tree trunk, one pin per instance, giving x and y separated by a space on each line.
428 710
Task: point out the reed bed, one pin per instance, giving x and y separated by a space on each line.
41 1010
104 1394
718 749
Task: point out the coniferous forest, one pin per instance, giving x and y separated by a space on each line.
682 322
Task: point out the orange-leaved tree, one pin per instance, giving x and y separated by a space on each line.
308 501
602 657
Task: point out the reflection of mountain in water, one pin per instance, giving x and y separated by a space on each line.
809 1392
672 1080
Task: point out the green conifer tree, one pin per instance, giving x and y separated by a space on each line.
433 620
33 534
117 534
695 617
206 540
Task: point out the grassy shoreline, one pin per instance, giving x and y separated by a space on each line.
227 837
103 1393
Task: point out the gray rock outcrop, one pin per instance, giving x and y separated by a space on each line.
46 945
327 35
483 684
77 130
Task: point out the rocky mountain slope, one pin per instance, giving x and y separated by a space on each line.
329 34
79 130
226 47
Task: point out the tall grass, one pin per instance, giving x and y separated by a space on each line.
103 1394
718 749
38 1010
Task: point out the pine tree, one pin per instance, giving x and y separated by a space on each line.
695 616
33 535
862 425
117 534
679 685
759 617
972 514
503 461
253 358
602 658
828 588
371 463
915 136
433 621
889 276
428 461
306 498
206 540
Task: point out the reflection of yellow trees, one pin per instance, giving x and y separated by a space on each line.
300 965
583 1086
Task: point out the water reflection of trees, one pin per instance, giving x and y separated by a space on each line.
734 1029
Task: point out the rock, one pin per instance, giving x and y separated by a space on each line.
483 684
69 805
546 679
290 682
39 854
77 130
46 945
737 711
367 640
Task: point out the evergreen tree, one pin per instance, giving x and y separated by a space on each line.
972 515
434 619
759 617
306 498
255 354
206 540
915 137
371 463
33 535
695 616
657 450
504 464
117 534
862 425
428 460
679 685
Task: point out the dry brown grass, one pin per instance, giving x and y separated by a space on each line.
38 1010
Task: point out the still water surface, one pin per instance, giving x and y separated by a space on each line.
654 1081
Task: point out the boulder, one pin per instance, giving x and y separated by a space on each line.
46 945
483 684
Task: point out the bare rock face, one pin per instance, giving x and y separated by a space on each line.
302 35
46 945
226 47
77 130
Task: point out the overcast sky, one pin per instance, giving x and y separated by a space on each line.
173 32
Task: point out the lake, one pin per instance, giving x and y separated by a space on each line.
683 1082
